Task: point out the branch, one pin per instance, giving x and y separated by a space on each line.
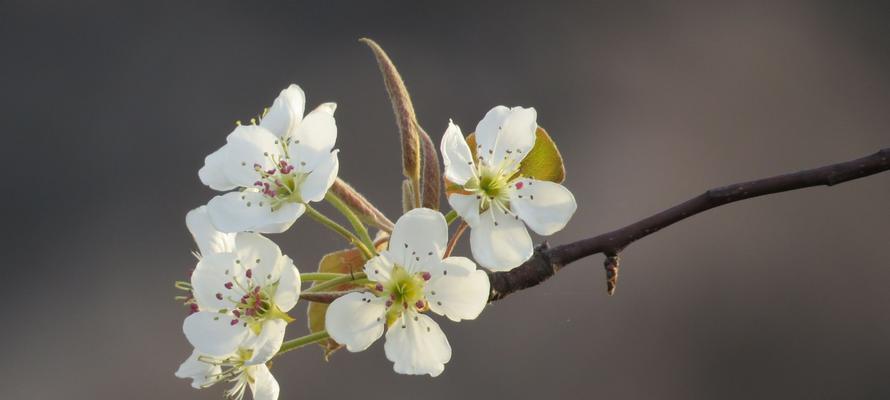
547 260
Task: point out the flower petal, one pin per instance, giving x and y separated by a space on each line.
213 172
250 211
258 255
467 206
248 146
288 291
456 156
267 343
416 345
546 207
488 130
211 282
198 371
379 268
458 297
419 238
500 242
286 112
213 333
316 185
207 237
264 387
517 137
312 141
356 320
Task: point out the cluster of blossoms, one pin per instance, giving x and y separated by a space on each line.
243 287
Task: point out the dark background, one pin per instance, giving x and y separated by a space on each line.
109 110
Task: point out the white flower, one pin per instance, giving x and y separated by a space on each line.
495 198
205 371
242 294
411 277
278 166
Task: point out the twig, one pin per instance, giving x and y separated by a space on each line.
547 261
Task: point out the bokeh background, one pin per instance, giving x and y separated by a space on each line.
109 109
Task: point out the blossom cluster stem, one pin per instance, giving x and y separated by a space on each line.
353 278
353 219
319 276
450 217
294 344
454 238
349 236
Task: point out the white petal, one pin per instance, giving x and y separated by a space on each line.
321 178
260 256
356 320
286 112
213 333
207 237
313 140
196 370
288 291
210 279
546 207
417 346
250 211
500 242
213 174
456 156
517 136
467 206
250 145
379 268
458 297
453 266
488 130
264 387
419 238
267 343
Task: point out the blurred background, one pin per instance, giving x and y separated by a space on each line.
111 107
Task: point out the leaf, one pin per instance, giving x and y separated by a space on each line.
342 262
431 179
361 206
405 117
543 161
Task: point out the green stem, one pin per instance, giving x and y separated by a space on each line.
353 219
450 217
319 276
358 277
294 344
339 229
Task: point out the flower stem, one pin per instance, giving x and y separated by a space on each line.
453 242
346 278
319 276
339 229
353 219
450 217
294 344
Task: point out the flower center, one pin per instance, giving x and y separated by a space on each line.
252 303
280 184
233 369
405 291
492 185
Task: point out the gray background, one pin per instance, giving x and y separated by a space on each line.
109 109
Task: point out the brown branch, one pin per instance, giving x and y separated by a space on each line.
548 260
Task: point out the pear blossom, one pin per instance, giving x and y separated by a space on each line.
411 277
236 368
493 196
243 288
276 166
